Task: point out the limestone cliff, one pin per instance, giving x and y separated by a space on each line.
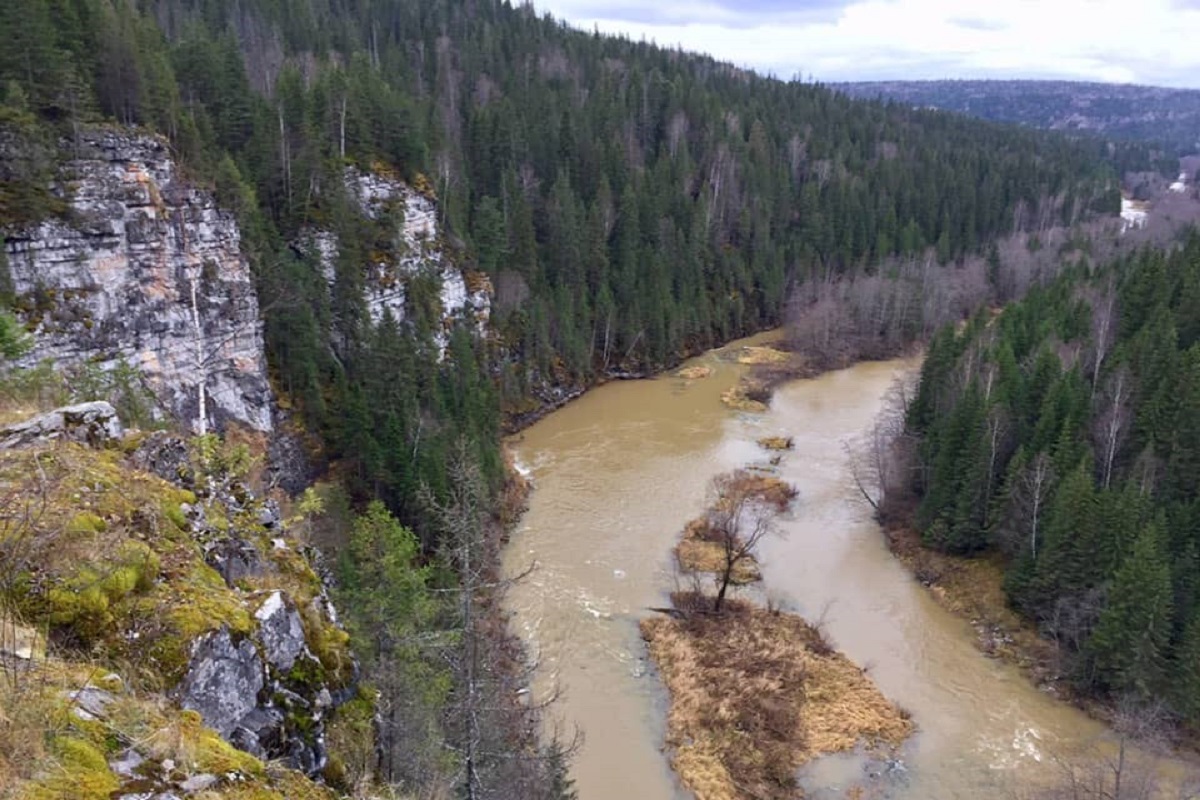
145 269
417 249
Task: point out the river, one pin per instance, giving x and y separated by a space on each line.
618 472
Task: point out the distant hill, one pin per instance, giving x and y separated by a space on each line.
1170 117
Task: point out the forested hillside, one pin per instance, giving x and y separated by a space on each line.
630 203
1166 117
1064 432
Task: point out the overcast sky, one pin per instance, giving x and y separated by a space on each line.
1121 41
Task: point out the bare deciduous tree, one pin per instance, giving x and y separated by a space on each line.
1030 497
1110 428
879 466
489 714
740 518
1129 766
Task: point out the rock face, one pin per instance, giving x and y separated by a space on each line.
95 424
117 281
262 693
223 681
281 633
417 249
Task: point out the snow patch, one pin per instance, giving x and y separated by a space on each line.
1133 215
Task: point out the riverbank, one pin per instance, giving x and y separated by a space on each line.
973 589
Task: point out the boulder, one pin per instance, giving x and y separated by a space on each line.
19 642
95 424
223 681
281 632
235 559
90 703
199 783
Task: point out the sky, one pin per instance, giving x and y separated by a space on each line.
1153 42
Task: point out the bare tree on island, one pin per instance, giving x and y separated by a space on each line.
742 516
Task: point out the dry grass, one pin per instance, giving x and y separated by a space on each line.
740 398
102 558
514 496
755 694
766 487
757 356
694 373
777 443
697 555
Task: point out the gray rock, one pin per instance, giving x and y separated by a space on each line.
112 282
198 783
165 455
419 249
18 642
281 632
235 559
268 515
90 703
94 424
127 763
223 681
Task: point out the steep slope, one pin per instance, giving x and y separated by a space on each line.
1063 435
153 611
143 269
626 204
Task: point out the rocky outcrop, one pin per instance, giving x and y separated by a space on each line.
416 249
264 693
95 424
145 269
281 633
223 681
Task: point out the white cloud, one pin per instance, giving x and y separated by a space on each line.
1147 41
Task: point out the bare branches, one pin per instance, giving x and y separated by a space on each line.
880 460
742 515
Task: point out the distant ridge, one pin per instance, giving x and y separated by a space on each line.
1166 116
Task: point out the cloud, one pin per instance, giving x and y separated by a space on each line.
1150 41
978 23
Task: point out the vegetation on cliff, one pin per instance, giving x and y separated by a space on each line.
107 584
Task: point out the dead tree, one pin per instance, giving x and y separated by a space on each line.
491 728
1111 426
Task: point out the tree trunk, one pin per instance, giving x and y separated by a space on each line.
201 372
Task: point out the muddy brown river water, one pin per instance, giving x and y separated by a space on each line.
618 472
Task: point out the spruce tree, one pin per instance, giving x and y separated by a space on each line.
1131 638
